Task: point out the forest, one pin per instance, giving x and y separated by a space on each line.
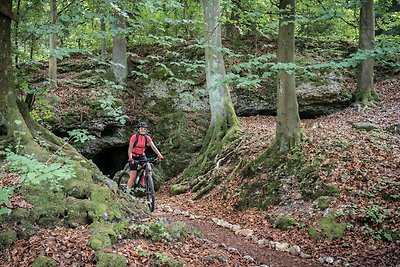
277 124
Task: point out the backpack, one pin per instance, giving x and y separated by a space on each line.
137 139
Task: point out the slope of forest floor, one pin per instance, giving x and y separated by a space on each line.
365 166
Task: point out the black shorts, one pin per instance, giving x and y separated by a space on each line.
133 166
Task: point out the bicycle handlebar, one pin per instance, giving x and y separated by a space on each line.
149 160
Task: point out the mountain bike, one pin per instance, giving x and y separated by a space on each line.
144 172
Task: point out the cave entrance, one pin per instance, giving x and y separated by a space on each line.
111 160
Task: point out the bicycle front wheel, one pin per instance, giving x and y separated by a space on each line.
150 192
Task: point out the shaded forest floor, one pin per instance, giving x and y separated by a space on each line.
365 166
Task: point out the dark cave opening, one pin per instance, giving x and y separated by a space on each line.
111 160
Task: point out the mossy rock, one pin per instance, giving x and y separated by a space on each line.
328 228
48 206
102 236
178 189
284 222
77 212
102 204
77 188
7 238
110 260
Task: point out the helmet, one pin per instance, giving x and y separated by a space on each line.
142 125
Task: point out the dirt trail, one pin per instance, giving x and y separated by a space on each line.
191 214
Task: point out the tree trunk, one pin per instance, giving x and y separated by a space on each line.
103 38
365 85
53 45
220 99
224 131
119 59
288 133
16 36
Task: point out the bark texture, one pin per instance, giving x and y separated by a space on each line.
224 131
288 133
365 87
53 45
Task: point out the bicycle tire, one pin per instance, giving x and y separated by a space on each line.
123 180
150 192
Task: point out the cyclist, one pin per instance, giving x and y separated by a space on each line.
137 145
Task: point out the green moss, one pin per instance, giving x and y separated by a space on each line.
284 222
221 138
48 206
43 261
328 228
178 189
330 190
259 194
322 202
19 214
165 232
77 188
7 238
178 137
110 260
163 106
102 236
25 228
102 205
77 212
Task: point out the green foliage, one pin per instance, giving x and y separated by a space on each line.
381 233
323 202
5 193
110 260
162 259
43 261
164 232
33 171
110 104
327 227
80 136
43 112
377 214
7 238
284 222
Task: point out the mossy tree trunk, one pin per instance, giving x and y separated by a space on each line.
10 117
224 125
366 93
288 133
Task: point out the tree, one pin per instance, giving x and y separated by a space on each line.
119 58
288 133
53 45
224 128
103 38
365 84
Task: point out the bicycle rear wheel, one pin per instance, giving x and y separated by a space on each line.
150 192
